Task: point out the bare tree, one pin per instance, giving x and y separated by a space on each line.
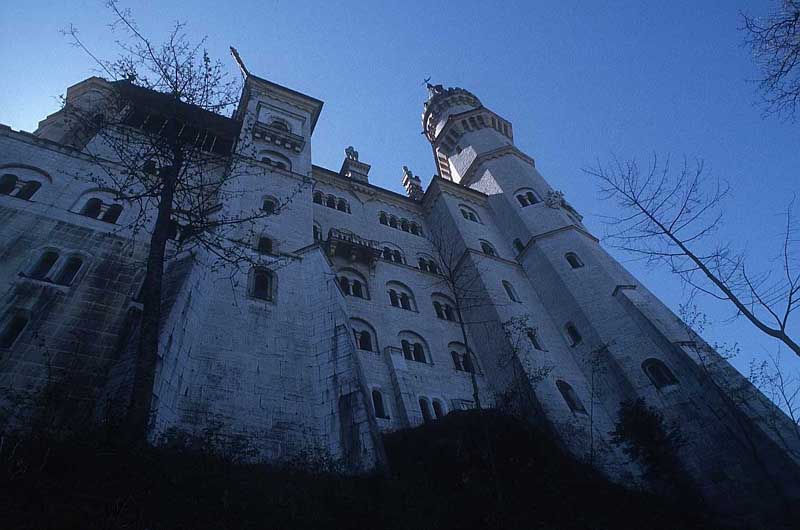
521 332
160 142
775 43
669 218
462 279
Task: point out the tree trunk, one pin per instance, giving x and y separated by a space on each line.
138 417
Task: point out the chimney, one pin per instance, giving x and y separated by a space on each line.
412 184
352 168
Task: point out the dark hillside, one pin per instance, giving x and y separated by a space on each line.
442 479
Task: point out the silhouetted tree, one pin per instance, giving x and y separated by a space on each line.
161 143
775 43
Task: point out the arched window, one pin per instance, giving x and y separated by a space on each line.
112 213
488 249
518 246
317 232
469 214
365 336
8 183
262 284
658 373
264 245
342 206
425 409
438 409
318 197
92 208
419 353
383 219
12 328
573 260
43 265
443 307
414 229
279 125
533 336
330 202
512 295
570 397
365 341
457 360
393 222
413 346
69 270
353 283
397 256
377 404
401 296
406 347
526 198
269 205
572 334
344 283
404 226
405 301
27 191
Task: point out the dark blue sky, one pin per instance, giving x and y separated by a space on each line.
578 80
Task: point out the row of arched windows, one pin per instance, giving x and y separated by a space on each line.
425 409
337 203
401 224
428 265
527 198
14 186
52 267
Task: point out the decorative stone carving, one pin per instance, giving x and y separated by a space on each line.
555 199
351 153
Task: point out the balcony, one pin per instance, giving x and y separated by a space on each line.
347 245
279 136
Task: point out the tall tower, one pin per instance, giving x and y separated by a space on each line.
606 337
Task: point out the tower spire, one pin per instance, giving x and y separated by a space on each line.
240 63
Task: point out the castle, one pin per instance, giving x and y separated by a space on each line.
358 331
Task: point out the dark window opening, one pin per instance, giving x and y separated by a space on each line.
317 233
383 219
69 271
393 299
318 198
405 302
357 289
457 360
437 409
533 337
518 246
7 184
28 190
426 411
658 373
419 353
574 261
488 249
330 202
12 330
92 208
439 311
406 347
268 206
569 395
377 403
510 291
262 284
365 341
112 213
393 222
43 266
573 334
344 283
264 245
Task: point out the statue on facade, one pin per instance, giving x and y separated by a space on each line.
351 153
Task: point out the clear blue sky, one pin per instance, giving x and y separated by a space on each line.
578 80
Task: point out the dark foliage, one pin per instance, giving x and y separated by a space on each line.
442 479
646 437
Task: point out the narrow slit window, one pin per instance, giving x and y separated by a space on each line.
12 330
